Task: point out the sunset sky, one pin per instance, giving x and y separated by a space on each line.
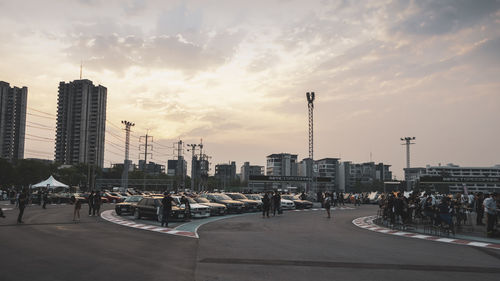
235 73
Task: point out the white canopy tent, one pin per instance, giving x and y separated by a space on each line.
51 183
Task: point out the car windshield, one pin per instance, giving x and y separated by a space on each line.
237 196
202 200
191 200
133 199
288 197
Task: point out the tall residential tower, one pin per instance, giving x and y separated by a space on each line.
81 123
12 121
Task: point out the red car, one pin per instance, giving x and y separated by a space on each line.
111 198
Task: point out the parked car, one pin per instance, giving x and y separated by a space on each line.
232 206
151 207
216 209
256 197
127 206
197 210
250 205
287 204
299 204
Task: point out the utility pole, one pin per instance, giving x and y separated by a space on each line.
146 146
407 142
310 105
126 162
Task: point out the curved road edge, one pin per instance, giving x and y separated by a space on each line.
367 223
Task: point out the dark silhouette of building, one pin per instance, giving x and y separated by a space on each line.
81 123
13 102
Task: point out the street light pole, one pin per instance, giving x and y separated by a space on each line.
407 142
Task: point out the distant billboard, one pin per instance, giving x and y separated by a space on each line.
260 178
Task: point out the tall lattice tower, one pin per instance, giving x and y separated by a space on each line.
310 106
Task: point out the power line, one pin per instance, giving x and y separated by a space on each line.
41 116
31 108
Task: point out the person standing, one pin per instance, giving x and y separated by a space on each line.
187 207
167 208
266 205
327 204
91 202
276 202
97 203
45 198
490 208
479 209
23 200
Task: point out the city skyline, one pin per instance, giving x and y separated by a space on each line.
236 74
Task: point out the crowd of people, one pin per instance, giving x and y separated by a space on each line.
441 210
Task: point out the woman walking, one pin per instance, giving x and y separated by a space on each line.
78 206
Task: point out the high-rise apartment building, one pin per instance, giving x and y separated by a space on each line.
81 123
12 121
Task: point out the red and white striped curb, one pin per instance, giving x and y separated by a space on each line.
367 223
110 216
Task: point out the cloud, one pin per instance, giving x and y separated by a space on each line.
427 17
117 53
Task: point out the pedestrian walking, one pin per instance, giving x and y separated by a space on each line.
78 206
22 201
266 205
167 208
91 202
327 204
97 203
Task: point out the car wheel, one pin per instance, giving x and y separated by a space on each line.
118 212
160 217
137 215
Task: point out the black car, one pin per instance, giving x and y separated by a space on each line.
127 206
151 207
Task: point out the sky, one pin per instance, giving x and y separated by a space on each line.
235 74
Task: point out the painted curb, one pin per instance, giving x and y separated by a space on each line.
110 216
367 223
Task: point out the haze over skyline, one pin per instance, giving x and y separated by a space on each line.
235 74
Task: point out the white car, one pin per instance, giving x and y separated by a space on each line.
287 204
197 210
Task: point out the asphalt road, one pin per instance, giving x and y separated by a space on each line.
294 246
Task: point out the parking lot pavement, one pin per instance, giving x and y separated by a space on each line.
307 245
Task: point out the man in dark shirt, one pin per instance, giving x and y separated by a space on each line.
277 202
167 208
23 200
266 202
97 203
479 209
